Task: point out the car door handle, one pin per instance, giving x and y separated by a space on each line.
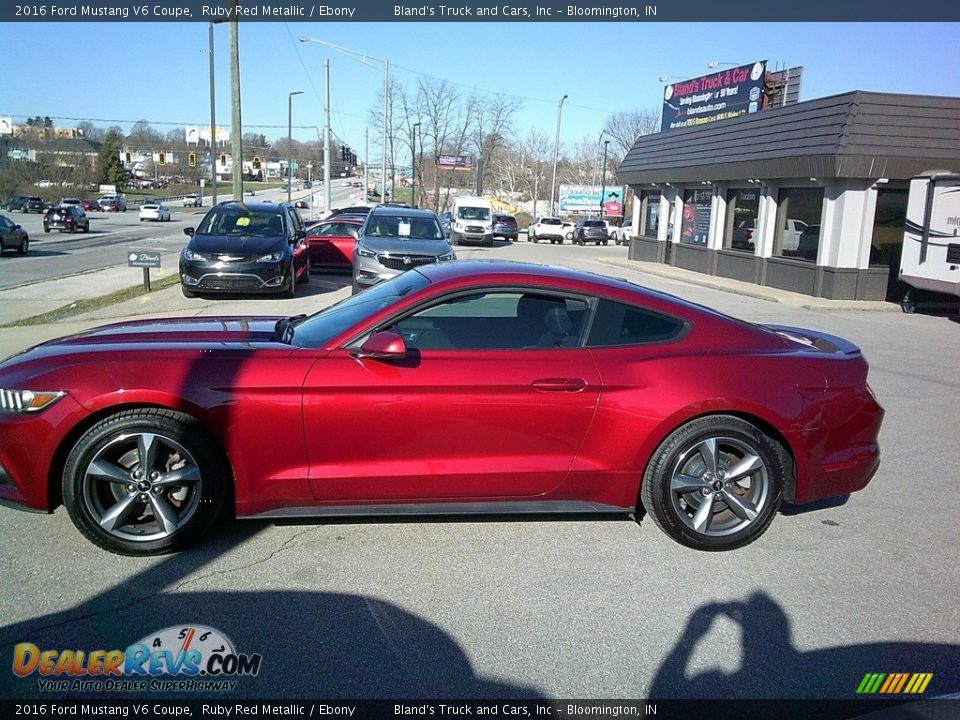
560 384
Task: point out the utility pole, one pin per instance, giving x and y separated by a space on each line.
366 163
236 130
413 163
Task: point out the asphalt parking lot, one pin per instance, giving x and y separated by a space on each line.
534 607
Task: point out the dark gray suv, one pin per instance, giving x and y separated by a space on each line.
590 231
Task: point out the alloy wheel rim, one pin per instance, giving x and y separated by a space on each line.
142 487
719 486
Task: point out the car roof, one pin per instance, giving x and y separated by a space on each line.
392 210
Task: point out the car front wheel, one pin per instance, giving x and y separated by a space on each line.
24 246
144 482
715 483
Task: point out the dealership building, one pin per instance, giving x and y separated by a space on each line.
809 197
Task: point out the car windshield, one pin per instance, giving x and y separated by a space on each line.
319 329
550 221
233 220
404 227
473 213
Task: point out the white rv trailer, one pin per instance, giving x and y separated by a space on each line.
931 238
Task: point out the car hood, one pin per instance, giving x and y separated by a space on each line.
247 244
153 336
399 246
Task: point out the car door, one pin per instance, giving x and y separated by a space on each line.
484 405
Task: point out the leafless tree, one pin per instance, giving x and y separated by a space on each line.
626 126
491 124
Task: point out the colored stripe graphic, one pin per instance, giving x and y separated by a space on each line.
918 683
893 683
870 683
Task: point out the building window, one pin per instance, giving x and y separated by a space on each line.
649 213
742 210
695 225
798 223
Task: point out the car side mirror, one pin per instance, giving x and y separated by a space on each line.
189 231
383 345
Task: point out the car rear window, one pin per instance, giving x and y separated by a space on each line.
619 324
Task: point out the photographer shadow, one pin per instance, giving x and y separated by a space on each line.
773 668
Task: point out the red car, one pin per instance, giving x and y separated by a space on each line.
331 243
454 387
90 205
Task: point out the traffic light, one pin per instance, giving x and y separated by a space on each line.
223 158
343 153
163 158
256 162
192 159
127 157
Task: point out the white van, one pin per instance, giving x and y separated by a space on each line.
472 221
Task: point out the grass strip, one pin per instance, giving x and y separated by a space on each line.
96 303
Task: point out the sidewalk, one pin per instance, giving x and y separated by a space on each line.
760 292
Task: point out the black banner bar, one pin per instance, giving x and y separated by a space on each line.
500 709
627 11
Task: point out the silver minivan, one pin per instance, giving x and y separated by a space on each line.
395 239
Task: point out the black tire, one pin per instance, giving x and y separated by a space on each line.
689 468
46 229
24 246
152 514
305 280
355 287
290 291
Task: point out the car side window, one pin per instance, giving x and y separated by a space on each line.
618 324
496 320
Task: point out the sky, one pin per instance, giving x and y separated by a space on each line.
116 73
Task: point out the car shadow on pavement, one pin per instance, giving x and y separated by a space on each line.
312 643
774 668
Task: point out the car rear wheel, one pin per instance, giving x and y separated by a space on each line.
144 482
715 483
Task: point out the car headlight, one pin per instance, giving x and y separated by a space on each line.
272 257
363 252
449 256
189 254
26 401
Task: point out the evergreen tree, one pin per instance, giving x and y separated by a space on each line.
109 166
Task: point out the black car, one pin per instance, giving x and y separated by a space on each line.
17 202
590 231
363 210
33 204
68 218
12 236
505 226
246 248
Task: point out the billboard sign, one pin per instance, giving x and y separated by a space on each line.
455 161
586 199
718 96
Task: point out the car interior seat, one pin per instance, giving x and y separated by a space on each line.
559 329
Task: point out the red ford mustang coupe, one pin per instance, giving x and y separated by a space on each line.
453 388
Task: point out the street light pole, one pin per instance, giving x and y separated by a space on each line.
290 142
603 176
213 126
326 136
413 163
556 157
